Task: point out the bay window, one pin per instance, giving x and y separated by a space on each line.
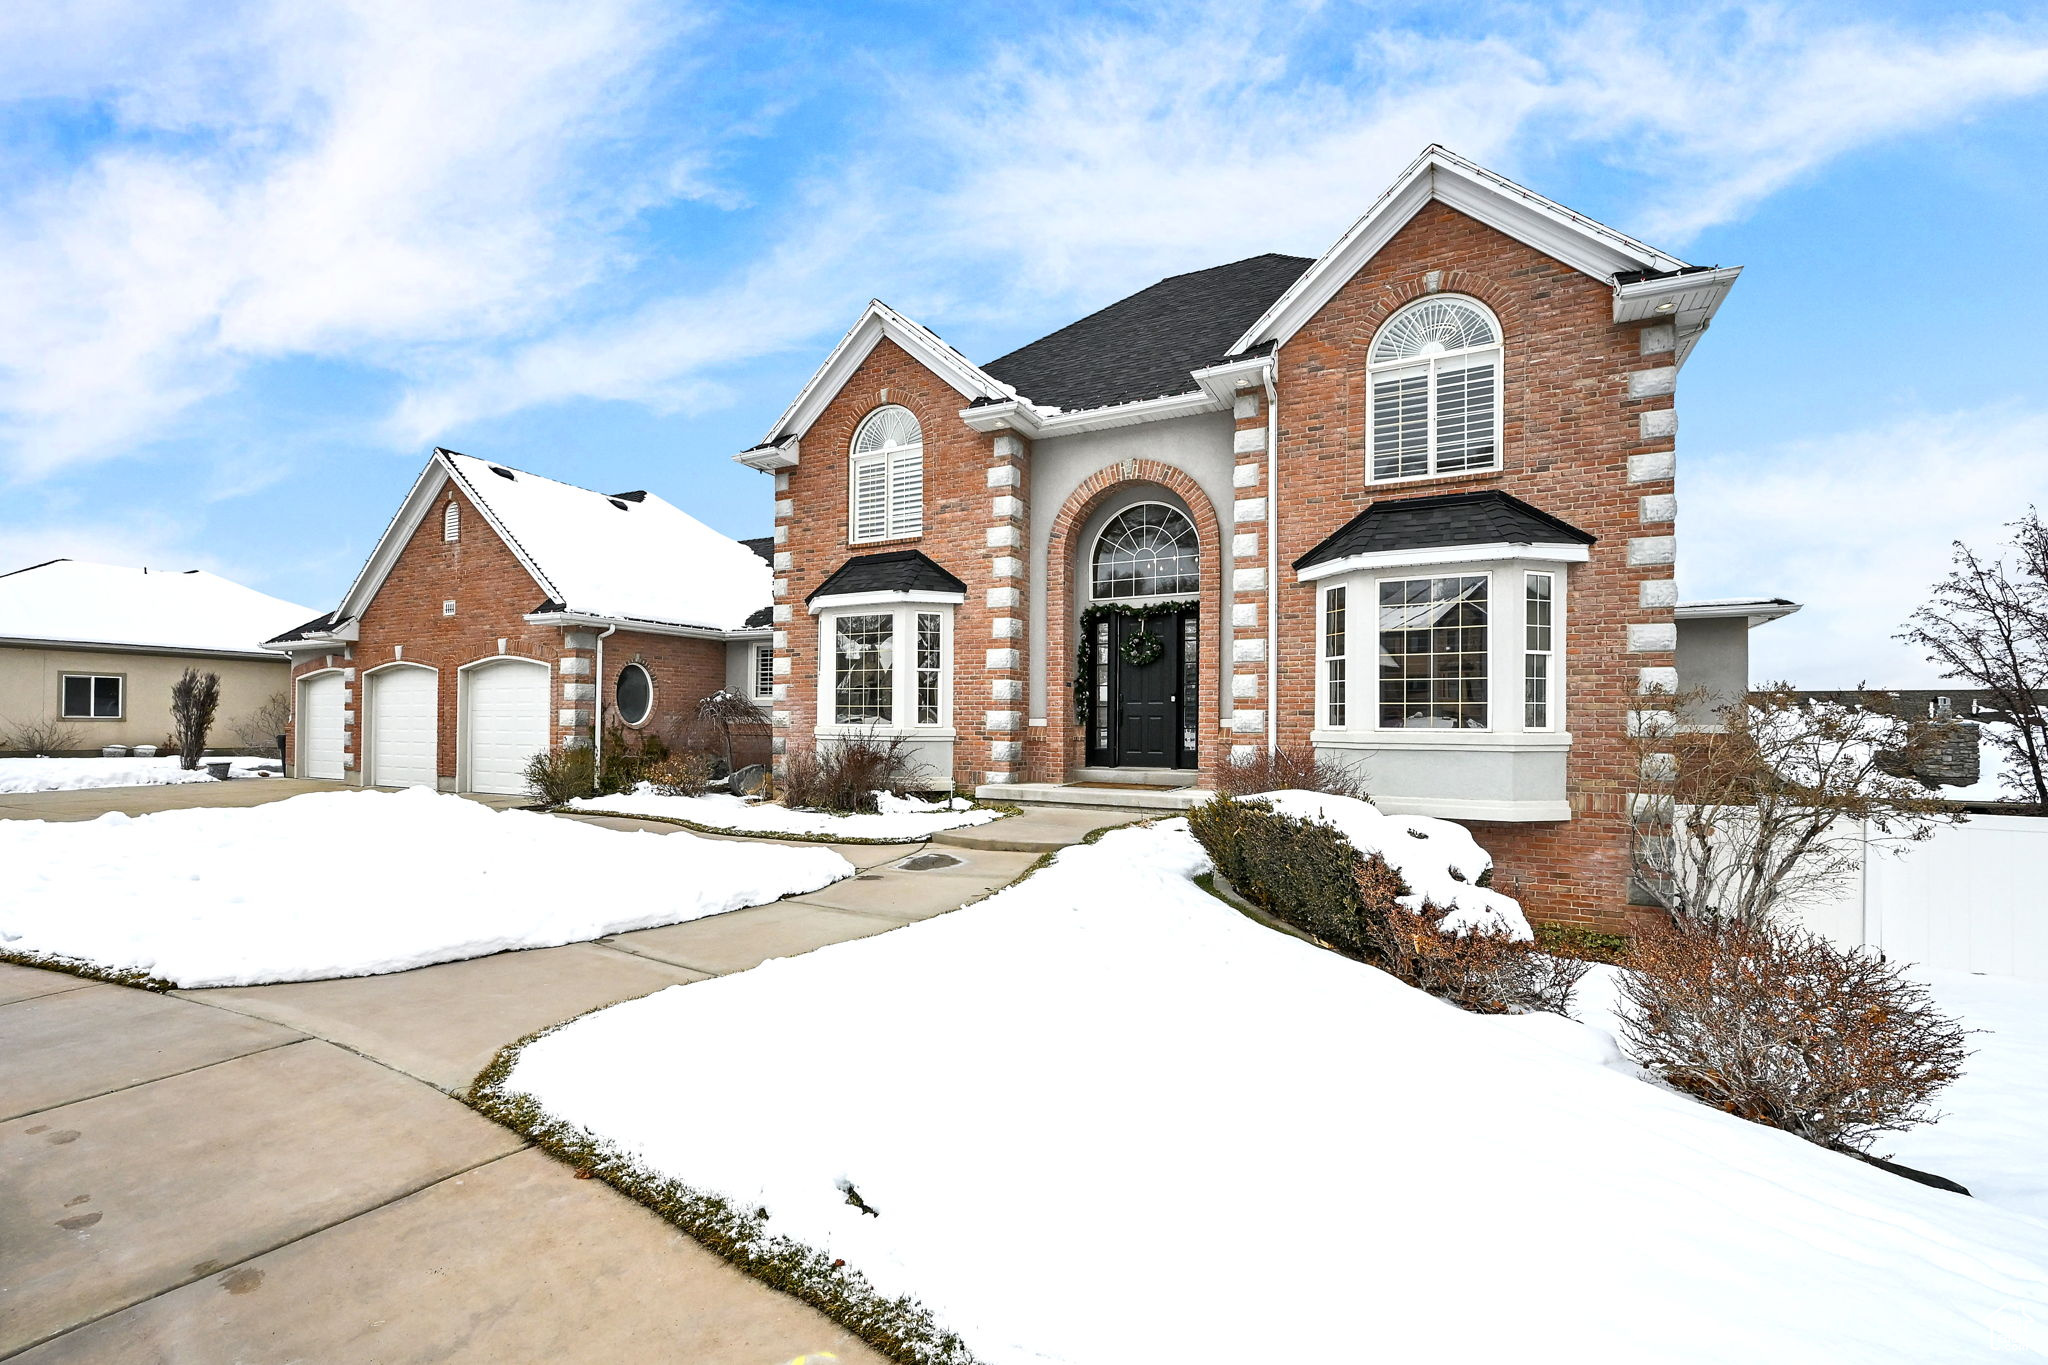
1536 662
890 667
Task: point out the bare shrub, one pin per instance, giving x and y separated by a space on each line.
558 775
729 716
195 698
676 774
1288 768
1480 970
41 737
1774 1024
261 727
844 775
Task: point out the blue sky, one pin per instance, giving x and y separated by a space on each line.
258 259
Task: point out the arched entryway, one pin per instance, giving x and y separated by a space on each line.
1134 570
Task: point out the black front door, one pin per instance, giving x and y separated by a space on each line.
1147 719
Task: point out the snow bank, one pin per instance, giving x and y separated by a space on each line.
358 883
1440 861
77 774
903 818
1104 1118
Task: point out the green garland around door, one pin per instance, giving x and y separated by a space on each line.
1084 654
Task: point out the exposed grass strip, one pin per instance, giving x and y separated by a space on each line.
91 971
783 835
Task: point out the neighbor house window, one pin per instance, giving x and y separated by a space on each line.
91 696
1333 658
764 670
1433 653
888 476
451 521
1148 550
634 694
890 667
1536 670
1434 374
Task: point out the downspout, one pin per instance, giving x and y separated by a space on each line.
1272 553
597 707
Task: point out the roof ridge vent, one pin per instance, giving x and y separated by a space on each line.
501 471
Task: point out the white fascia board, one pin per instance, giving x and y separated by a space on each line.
1223 382
580 620
1453 554
1041 426
884 598
768 459
426 492
880 320
1758 611
1588 246
260 653
1693 300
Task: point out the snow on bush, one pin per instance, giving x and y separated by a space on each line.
902 819
232 897
1440 861
1102 1118
19 775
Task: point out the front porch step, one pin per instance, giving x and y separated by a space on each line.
1151 801
1135 777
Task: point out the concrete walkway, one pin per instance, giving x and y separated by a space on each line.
281 1173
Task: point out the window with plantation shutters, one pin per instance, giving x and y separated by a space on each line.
888 476
1434 375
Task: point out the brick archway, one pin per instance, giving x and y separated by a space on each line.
1061 750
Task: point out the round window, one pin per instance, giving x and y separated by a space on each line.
635 694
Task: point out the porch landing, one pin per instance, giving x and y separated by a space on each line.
1119 793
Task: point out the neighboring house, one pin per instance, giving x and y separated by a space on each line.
1410 503
502 614
95 649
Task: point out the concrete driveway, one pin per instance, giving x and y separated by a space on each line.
282 1173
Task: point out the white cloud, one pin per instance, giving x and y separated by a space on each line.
339 181
1857 526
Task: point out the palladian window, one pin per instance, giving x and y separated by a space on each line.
1435 379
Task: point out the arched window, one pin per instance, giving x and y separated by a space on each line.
888 476
1146 551
1434 372
635 694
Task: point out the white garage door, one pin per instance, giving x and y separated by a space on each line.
402 705
319 730
506 724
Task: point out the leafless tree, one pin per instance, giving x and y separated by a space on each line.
261 727
1987 624
1771 806
724 712
195 698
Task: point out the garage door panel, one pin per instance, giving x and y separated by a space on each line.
505 725
402 723
319 727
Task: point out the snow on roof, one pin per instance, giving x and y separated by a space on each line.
77 601
640 558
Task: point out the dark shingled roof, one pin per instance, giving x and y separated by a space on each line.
1442 521
892 571
761 617
1144 346
763 546
319 625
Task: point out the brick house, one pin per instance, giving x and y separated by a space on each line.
502 613
1410 503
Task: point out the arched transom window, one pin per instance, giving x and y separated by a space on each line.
1146 551
888 476
1435 376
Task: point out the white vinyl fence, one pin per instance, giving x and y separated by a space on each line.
1973 898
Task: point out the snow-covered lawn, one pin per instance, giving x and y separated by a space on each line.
1994 1137
76 774
1102 1117
358 883
903 819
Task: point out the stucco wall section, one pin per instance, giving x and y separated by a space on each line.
31 683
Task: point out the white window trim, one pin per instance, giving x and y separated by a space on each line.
1505 659
886 456
120 713
903 680
618 710
762 654
885 597
1373 370
1553 701
1457 554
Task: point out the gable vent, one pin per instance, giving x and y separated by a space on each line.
451 521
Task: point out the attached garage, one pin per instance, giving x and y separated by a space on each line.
504 723
401 704
319 727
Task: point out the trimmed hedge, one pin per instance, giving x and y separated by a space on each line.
1301 872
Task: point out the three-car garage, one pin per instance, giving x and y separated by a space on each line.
501 723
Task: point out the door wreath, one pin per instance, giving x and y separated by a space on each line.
1142 648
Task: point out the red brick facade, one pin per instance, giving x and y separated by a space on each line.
1570 426
492 591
